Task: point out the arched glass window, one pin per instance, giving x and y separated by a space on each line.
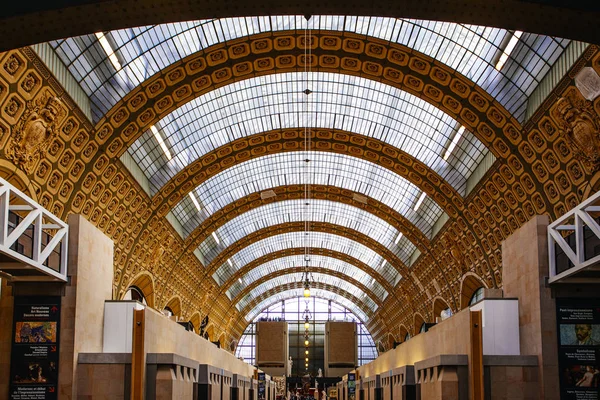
423 328
168 312
445 314
134 293
321 311
406 337
477 296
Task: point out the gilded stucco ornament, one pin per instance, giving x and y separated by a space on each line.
35 131
579 125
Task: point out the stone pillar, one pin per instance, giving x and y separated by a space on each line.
90 272
524 270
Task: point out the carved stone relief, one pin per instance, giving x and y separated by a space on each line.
35 131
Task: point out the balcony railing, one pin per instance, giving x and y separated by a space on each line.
33 241
574 244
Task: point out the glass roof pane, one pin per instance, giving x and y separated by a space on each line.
297 261
338 170
291 279
349 103
297 211
319 293
471 50
317 240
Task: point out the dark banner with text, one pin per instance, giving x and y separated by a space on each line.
34 357
579 348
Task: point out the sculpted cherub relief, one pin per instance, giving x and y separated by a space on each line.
579 124
35 131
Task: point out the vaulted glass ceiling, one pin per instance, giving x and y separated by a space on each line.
297 239
297 211
338 170
294 278
297 261
471 50
271 102
316 292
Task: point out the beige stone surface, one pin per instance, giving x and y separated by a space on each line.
90 268
101 381
165 336
525 265
451 336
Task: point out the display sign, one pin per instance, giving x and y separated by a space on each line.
579 348
261 385
34 356
351 386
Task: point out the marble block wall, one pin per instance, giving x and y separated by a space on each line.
524 268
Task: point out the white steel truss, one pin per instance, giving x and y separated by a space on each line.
24 224
573 223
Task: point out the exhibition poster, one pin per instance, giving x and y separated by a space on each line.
34 354
579 348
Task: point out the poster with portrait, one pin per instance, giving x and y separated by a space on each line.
579 348
262 383
34 353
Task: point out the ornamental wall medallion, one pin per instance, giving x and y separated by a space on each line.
35 131
579 124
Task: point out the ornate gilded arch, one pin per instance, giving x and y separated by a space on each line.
317 251
359 303
470 282
224 63
145 282
314 227
316 270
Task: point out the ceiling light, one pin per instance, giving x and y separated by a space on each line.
195 201
508 49
398 238
306 359
420 201
306 325
306 342
454 142
110 53
161 142
306 352
214 235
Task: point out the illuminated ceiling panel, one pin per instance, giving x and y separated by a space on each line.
297 239
318 293
297 277
272 102
471 50
316 211
297 261
338 170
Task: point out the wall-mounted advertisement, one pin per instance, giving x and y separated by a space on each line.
262 382
351 386
579 348
34 355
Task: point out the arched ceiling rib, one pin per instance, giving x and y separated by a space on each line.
288 236
284 278
473 51
306 210
316 264
295 289
341 261
295 192
272 102
347 172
